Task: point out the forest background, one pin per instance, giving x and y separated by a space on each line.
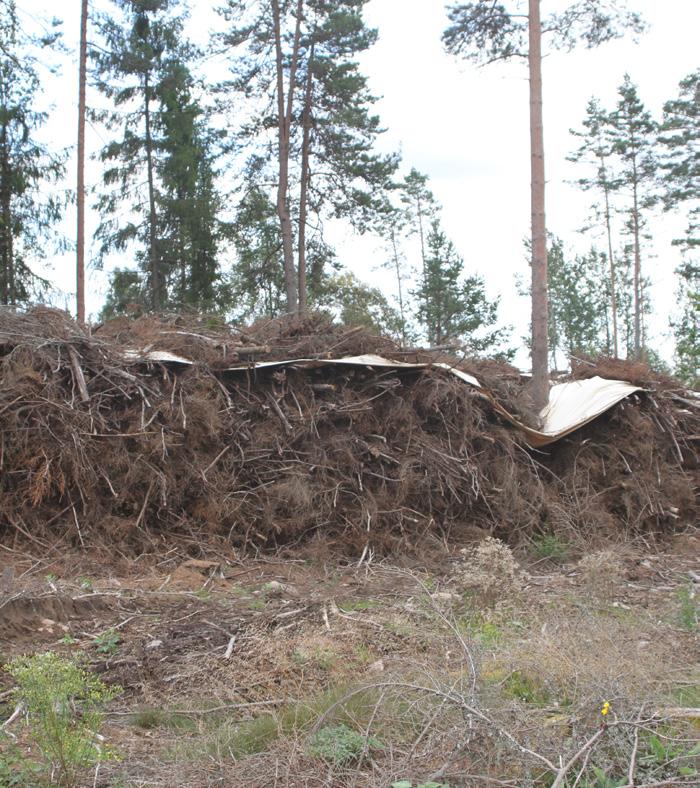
465 128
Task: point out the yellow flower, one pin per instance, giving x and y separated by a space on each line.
606 708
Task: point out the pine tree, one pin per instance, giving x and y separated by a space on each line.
680 157
80 190
159 182
392 227
680 168
487 31
453 308
29 212
297 59
596 151
633 135
421 208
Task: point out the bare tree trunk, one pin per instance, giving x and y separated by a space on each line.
540 371
613 285
284 129
6 245
400 289
305 175
80 240
637 267
156 284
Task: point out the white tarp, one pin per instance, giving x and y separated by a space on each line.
571 405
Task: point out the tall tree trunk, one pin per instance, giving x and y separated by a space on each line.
421 234
613 285
540 371
305 175
637 266
6 245
156 284
80 196
400 290
284 129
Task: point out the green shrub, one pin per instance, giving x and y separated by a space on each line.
339 744
63 702
107 642
550 546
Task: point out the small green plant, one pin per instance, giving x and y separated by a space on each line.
256 604
85 583
68 640
203 594
661 752
525 688
688 611
603 781
50 578
107 642
550 546
339 744
63 703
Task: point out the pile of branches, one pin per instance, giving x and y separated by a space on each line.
98 441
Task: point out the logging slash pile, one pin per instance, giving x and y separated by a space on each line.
97 443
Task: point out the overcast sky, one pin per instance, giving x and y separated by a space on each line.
467 128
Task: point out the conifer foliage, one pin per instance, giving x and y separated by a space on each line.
315 129
158 190
30 205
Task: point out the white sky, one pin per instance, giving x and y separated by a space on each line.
467 128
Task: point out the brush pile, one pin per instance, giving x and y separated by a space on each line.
97 442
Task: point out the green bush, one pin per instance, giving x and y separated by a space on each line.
340 745
63 703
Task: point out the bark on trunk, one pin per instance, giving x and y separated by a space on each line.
6 246
400 289
305 175
540 371
283 129
156 284
637 267
80 241
613 285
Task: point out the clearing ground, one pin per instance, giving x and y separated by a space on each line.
481 670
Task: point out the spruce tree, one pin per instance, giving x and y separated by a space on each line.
487 31
454 308
29 211
158 184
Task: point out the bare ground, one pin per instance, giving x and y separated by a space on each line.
239 672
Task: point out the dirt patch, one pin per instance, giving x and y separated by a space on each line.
45 617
